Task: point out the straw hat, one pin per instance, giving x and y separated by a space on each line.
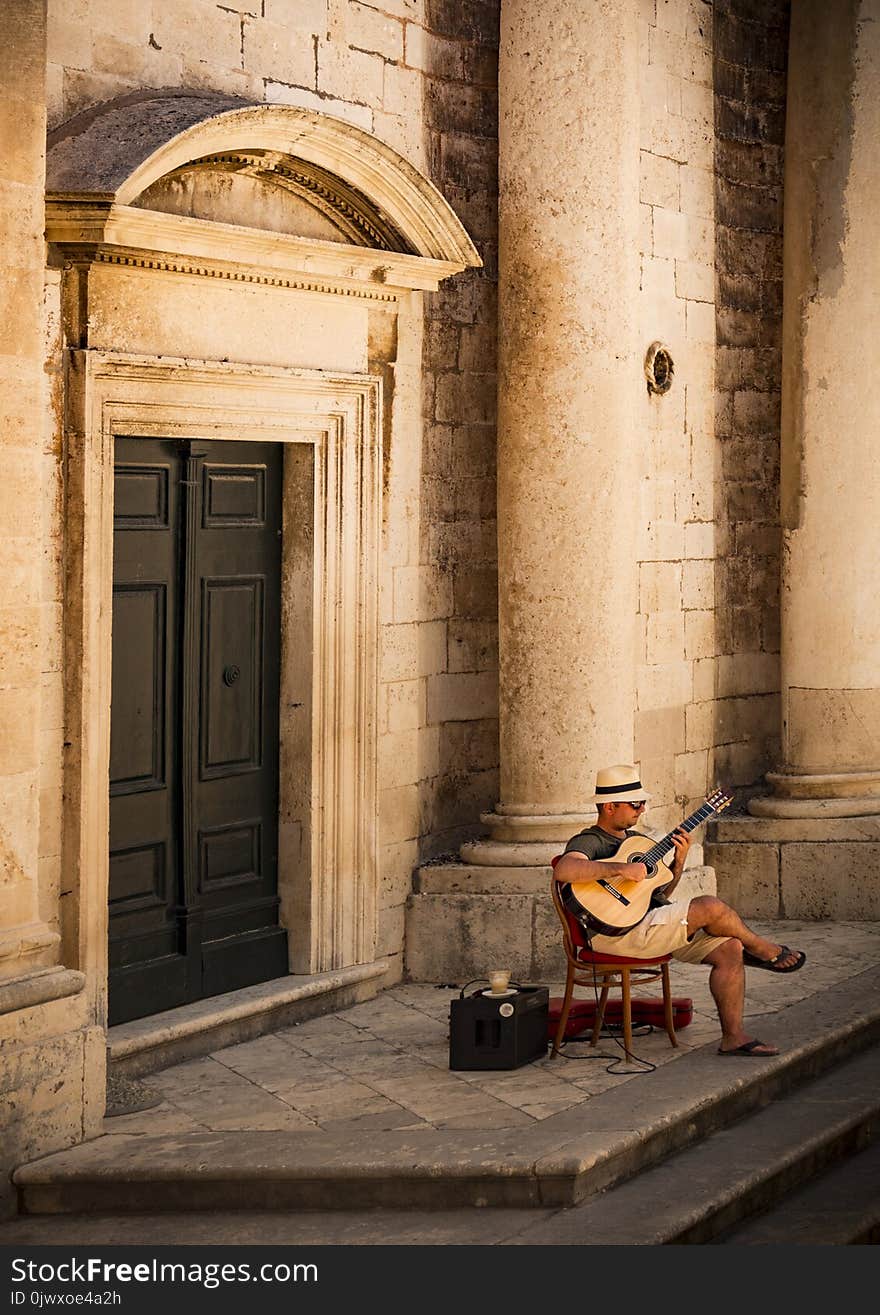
619 785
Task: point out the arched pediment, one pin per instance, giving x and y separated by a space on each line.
135 152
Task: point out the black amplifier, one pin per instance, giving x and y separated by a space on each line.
498 1031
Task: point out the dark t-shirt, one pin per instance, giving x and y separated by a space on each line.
594 843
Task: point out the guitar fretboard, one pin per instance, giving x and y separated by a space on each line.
656 852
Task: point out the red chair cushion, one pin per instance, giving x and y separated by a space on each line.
589 956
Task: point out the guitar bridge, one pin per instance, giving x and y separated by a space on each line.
612 890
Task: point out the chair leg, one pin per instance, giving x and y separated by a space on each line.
627 1012
667 1005
600 1010
563 1017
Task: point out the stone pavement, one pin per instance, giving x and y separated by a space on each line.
383 1065
371 1085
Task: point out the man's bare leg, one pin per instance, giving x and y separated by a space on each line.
727 976
718 919
727 984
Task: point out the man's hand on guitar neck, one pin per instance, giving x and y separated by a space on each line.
682 842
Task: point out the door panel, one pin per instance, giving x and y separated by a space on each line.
137 757
194 722
233 640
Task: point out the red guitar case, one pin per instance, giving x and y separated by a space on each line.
582 1014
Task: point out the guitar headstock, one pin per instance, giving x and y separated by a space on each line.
719 799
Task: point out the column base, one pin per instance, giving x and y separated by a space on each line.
54 1071
524 839
827 794
26 948
496 853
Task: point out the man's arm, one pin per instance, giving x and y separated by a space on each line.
577 867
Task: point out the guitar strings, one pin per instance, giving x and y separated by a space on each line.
715 803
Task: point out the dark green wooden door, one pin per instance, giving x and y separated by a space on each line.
194 722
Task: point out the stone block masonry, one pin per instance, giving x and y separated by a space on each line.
750 45
457 53
810 868
29 609
678 543
422 76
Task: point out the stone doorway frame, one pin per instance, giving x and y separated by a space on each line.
328 854
400 235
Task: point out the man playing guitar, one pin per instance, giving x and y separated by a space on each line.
700 930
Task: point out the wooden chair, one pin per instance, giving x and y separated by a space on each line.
601 972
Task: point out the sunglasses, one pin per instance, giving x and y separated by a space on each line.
636 805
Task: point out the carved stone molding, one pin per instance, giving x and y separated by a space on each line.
328 879
86 230
23 947
101 166
348 208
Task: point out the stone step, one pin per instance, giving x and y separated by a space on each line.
840 1207
148 1044
558 1161
700 1193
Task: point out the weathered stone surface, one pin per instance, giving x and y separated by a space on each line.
39 988
747 877
782 829
458 903
455 937
839 880
470 878
45 1092
828 497
161 1040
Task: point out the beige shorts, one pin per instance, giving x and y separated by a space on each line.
662 931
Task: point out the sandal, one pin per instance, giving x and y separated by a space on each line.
773 965
750 1050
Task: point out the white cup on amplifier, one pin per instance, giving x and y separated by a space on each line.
499 980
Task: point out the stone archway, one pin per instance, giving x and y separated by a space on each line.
221 265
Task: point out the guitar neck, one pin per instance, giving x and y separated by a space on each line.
656 852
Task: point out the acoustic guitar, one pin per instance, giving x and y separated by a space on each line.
616 905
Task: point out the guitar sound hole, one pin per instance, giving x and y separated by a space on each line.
640 858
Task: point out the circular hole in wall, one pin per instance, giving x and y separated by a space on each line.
659 368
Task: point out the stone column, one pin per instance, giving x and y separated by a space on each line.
830 492
567 449
26 941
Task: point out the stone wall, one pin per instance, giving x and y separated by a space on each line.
46 1041
751 43
421 75
458 540
29 584
674 727
711 198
